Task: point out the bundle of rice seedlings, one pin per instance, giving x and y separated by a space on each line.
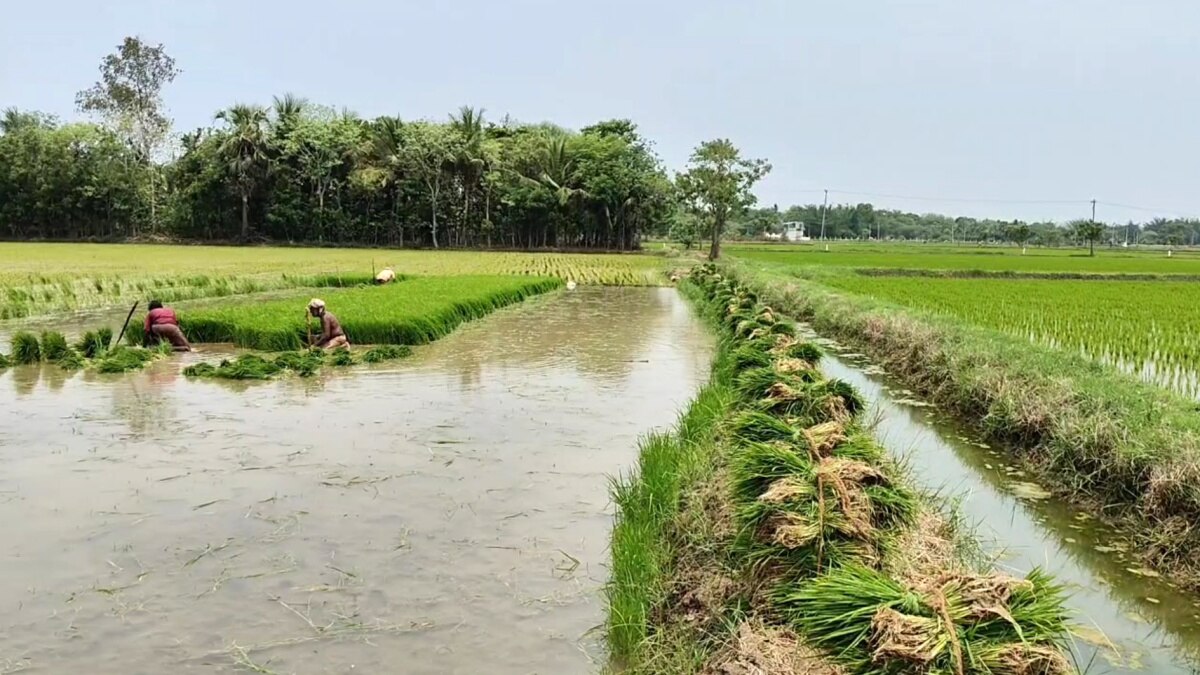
5 361
304 364
811 402
751 426
386 353
94 343
26 348
956 623
748 356
247 367
804 351
53 345
341 357
71 360
767 382
200 370
122 359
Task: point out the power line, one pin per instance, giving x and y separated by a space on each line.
963 199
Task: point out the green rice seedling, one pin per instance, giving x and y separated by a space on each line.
386 353
5 362
748 356
71 360
90 345
750 426
954 623
813 509
247 367
304 364
53 345
340 357
26 348
123 359
412 312
812 402
200 370
804 351
757 383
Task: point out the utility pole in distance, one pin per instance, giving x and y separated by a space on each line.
1093 210
824 207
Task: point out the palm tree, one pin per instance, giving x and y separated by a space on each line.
288 108
245 151
386 158
469 159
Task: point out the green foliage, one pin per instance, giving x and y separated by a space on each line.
304 364
340 357
5 361
245 367
94 343
999 624
123 359
382 353
413 312
53 345
71 360
26 348
718 185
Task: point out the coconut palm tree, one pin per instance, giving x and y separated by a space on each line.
469 160
245 151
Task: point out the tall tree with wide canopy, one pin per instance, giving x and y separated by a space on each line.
128 99
718 183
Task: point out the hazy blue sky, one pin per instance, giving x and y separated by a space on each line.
1012 100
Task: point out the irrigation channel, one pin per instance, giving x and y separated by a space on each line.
1130 621
446 513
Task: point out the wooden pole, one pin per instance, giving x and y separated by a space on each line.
127 318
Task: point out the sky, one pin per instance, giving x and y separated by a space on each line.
1016 109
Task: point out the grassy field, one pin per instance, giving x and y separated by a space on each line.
410 312
961 258
41 278
1151 328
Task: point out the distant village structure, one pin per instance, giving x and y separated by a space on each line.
792 231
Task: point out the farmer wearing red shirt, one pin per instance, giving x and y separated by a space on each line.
161 324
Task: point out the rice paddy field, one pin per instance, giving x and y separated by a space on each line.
993 258
409 312
44 278
1148 328
1135 310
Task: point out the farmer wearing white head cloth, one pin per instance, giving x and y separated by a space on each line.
332 335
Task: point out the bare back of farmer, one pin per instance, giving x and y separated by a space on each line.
163 326
332 336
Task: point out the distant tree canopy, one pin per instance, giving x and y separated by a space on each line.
864 221
298 172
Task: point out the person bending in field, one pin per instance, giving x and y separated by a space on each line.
385 276
332 336
163 326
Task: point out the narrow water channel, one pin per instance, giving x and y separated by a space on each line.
1130 622
447 513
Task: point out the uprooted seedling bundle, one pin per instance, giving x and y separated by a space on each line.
952 623
817 504
305 363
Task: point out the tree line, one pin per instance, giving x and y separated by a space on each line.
295 171
864 221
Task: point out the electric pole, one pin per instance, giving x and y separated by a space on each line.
824 207
1093 210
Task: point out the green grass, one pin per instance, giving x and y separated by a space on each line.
104 275
53 345
408 313
998 258
123 359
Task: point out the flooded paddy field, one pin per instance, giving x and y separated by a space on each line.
447 513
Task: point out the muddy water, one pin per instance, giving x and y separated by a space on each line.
1129 622
443 514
